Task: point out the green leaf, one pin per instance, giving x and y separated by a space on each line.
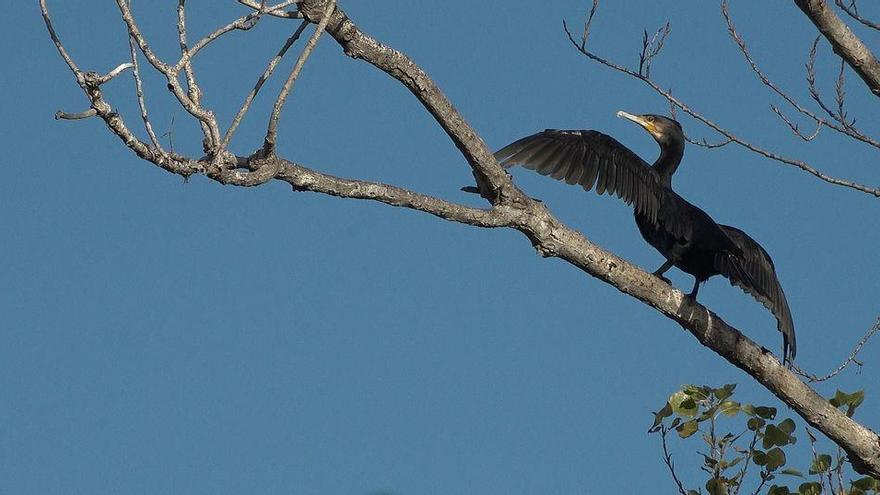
748 409
856 399
759 457
766 412
811 488
687 428
725 391
682 404
820 464
855 491
775 459
734 462
866 483
698 393
756 424
851 401
792 472
778 490
716 486
787 426
659 416
773 435
729 408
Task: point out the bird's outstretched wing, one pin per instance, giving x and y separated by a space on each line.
591 159
753 272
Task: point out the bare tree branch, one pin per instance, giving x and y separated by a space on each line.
650 48
846 362
845 43
795 128
589 22
275 12
839 115
193 90
272 130
724 132
139 91
853 11
61 115
844 128
667 459
702 142
243 23
259 84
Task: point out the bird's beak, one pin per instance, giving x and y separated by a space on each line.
648 126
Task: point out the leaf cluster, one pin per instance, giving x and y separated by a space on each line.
756 440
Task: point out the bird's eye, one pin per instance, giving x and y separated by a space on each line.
650 119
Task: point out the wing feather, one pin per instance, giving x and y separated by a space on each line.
754 273
591 159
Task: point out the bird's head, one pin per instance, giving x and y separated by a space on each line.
665 130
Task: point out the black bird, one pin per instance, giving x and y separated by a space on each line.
685 235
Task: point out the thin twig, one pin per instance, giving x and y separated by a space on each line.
139 90
194 108
193 90
853 11
243 23
764 477
259 84
667 459
272 130
651 48
277 12
849 127
746 462
44 11
724 132
840 95
846 362
794 126
61 115
740 42
589 22
702 142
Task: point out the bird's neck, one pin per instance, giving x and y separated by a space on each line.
668 161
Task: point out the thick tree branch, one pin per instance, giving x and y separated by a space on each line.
494 181
844 42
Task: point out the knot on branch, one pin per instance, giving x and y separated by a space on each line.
92 79
313 10
248 172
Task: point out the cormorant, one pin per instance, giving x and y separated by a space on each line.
685 235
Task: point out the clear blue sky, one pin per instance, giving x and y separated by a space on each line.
158 336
